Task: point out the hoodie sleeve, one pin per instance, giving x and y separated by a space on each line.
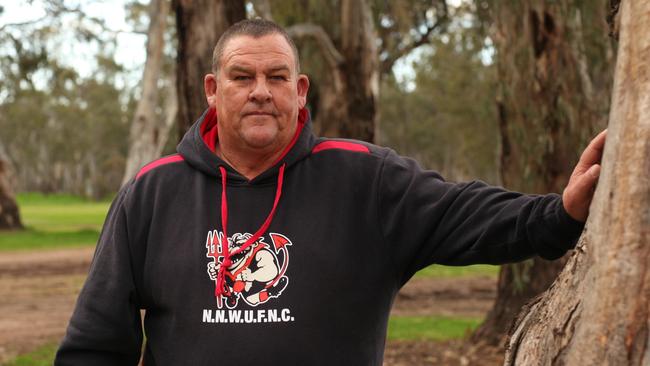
105 328
426 220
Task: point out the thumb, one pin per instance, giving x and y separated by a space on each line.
577 197
594 173
587 183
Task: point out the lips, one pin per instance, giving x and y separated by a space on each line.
259 110
256 113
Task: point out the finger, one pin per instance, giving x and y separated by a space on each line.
577 197
584 187
594 151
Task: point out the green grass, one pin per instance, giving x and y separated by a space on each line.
399 328
437 270
43 356
37 198
435 328
33 239
55 221
61 213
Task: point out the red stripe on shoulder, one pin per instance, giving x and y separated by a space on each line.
340 145
156 163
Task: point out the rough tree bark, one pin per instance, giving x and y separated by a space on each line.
199 25
9 213
554 97
347 98
147 130
598 310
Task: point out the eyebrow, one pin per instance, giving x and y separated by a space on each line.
248 70
239 68
279 68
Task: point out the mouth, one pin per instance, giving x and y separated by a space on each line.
259 113
238 258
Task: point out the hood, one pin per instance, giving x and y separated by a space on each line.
198 145
198 149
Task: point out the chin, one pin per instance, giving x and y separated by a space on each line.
260 138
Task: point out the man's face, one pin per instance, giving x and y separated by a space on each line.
257 94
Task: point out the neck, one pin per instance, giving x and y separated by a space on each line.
248 163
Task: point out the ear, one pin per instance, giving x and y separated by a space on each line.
303 87
210 88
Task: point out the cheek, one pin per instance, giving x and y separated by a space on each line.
231 101
286 100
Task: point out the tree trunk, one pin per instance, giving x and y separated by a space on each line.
9 214
199 25
597 312
360 70
515 288
554 97
146 128
348 92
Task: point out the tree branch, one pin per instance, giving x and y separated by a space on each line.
387 64
304 30
22 24
57 9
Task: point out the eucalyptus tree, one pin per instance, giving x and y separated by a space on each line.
151 124
554 65
52 116
199 24
597 311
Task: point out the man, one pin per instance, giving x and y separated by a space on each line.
260 244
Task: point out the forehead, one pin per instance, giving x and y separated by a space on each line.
272 48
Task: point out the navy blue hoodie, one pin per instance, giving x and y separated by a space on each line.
308 264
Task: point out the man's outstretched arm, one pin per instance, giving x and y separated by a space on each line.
434 221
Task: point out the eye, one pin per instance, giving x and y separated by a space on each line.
241 78
278 77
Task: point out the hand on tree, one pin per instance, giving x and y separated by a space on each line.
580 190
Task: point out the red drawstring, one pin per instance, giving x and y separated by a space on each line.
220 287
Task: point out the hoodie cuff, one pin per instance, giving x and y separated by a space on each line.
557 232
567 226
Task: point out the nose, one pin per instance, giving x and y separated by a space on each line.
260 92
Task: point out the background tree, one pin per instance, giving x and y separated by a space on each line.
345 56
553 96
51 116
151 123
338 46
9 213
597 312
199 24
405 25
445 116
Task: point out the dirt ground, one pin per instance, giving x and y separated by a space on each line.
469 297
37 294
38 291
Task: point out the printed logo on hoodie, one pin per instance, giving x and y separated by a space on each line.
256 274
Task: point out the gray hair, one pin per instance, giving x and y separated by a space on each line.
255 28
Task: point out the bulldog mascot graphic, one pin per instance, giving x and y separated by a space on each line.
255 274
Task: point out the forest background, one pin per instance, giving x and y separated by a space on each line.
474 89
66 103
